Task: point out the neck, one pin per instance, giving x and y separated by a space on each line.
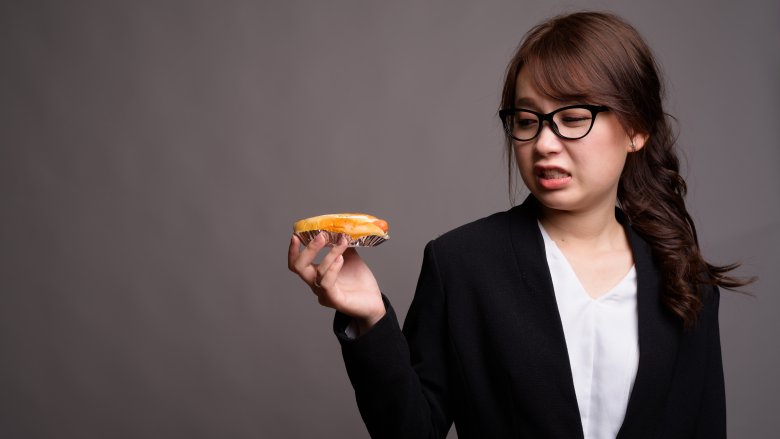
596 228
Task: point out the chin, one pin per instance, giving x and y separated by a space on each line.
558 200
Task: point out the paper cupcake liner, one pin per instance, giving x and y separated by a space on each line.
333 238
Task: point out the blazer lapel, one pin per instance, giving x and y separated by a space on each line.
528 247
659 333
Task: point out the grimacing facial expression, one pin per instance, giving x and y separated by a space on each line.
571 175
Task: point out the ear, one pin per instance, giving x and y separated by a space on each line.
638 141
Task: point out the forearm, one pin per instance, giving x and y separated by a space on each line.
389 393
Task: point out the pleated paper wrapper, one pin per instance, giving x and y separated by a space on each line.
333 238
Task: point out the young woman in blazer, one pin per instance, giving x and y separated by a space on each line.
566 316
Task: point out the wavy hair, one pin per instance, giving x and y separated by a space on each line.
598 58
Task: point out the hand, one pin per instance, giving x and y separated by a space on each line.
341 281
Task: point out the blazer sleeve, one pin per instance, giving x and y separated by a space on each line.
711 422
400 378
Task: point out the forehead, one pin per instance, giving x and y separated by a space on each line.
528 94
554 79
525 86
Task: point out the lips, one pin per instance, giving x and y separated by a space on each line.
552 177
551 172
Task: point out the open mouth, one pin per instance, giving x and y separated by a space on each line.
552 174
552 178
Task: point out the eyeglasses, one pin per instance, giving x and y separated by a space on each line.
570 123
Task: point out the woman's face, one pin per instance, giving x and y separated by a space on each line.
571 175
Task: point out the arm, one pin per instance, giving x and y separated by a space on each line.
711 423
400 378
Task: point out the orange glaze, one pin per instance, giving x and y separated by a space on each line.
355 225
382 224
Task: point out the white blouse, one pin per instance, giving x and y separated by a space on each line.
602 340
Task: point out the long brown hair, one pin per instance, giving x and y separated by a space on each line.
598 58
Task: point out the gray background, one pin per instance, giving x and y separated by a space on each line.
153 156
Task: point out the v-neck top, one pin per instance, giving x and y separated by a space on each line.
602 341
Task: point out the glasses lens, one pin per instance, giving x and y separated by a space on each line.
573 123
523 125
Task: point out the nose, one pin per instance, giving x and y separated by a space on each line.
547 142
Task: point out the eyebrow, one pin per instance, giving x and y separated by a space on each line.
524 102
530 104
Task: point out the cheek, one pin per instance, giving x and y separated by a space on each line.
522 155
521 158
601 164
524 162
604 154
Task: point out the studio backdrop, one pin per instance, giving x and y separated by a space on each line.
154 155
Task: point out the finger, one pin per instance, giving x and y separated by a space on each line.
328 280
328 260
303 264
293 252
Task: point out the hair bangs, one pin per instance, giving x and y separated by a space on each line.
559 71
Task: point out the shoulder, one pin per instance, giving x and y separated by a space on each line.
483 228
491 227
490 236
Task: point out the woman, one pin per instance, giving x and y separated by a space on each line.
565 316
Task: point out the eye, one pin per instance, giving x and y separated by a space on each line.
573 118
525 122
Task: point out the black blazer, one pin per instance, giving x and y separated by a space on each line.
483 345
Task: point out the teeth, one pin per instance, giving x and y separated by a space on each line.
553 174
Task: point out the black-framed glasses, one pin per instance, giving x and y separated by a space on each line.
570 123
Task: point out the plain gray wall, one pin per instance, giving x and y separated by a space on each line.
154 155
